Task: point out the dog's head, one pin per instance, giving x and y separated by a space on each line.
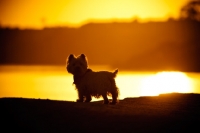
77 65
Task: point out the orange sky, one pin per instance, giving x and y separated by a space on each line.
40 13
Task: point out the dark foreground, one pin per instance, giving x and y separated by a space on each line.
164 113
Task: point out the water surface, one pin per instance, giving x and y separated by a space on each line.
53 82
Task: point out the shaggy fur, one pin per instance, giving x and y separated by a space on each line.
89 83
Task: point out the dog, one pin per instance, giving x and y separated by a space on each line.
91 83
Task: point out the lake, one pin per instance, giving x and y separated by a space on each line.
54 82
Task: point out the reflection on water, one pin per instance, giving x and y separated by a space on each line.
53 82
166 82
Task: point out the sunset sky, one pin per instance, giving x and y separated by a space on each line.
172 46
41 13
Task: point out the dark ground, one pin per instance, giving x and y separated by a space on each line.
165 113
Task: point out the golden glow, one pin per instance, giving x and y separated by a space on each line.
128 84
40 13
165 82
47 82
36 82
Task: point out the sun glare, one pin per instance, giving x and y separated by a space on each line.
165 82
56 83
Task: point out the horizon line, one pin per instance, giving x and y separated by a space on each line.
77 26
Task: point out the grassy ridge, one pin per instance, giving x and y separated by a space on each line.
165 113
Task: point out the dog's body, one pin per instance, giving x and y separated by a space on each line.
90 83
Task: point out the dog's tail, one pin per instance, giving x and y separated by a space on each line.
115 73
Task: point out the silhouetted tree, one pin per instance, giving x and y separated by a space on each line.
191 10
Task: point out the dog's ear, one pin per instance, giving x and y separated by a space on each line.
70 57
83 56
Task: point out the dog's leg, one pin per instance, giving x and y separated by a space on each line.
106 101
88 98
114 93
114 98
80 96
